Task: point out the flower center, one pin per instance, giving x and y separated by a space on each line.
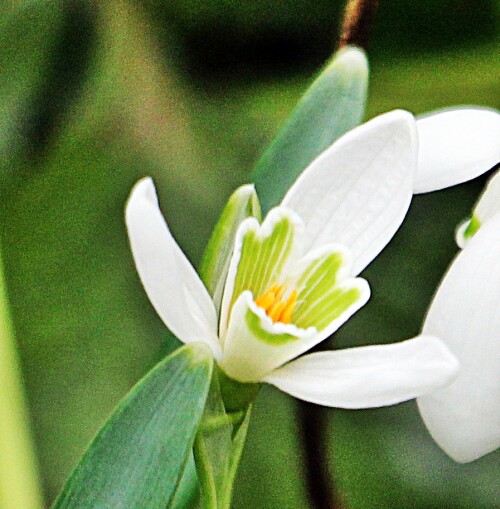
277 308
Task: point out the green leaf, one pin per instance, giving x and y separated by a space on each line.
214 266
333 105
138 457
188 490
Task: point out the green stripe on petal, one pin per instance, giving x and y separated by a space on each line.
472 227
466 230
253 322
321 299
321 312
320 276
265 250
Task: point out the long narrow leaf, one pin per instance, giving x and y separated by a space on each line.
333 105
138 457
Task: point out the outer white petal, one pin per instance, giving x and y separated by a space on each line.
248 358
358 191
487 206
370 376
489 202
464 418
173 287
455 146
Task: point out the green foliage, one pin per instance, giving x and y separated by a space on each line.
137 458
333 105
19 480
85 329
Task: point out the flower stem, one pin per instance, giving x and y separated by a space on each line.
234 461
19 482
205 473
224 437
358 20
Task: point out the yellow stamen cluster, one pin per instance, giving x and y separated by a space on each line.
277 308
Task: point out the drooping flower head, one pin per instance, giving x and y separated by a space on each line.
464 417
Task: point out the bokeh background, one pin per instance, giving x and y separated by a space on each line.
95 94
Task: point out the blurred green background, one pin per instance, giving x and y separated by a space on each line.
94 95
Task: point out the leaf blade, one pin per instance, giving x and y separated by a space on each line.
138 457
333 105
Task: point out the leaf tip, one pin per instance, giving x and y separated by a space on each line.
353 62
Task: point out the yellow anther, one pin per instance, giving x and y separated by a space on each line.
280 290
276 308
266 300
275 312
286 314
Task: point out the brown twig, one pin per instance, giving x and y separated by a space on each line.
357 23
320 487
356 28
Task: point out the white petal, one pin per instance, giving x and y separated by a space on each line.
455 146
464 418
254 345
358 191
370 376
489 202
173 286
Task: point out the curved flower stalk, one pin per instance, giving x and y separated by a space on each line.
464 417
291 280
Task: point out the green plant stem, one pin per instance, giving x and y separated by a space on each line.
214 423
216 493
19 482
239 442
205 473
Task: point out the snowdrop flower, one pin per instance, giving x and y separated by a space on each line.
291 281
464 417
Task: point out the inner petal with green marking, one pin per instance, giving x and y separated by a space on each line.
305 291
264 252
279 303
313 298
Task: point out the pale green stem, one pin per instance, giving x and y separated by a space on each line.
19 482
225 501
213 423
213 496
205 474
